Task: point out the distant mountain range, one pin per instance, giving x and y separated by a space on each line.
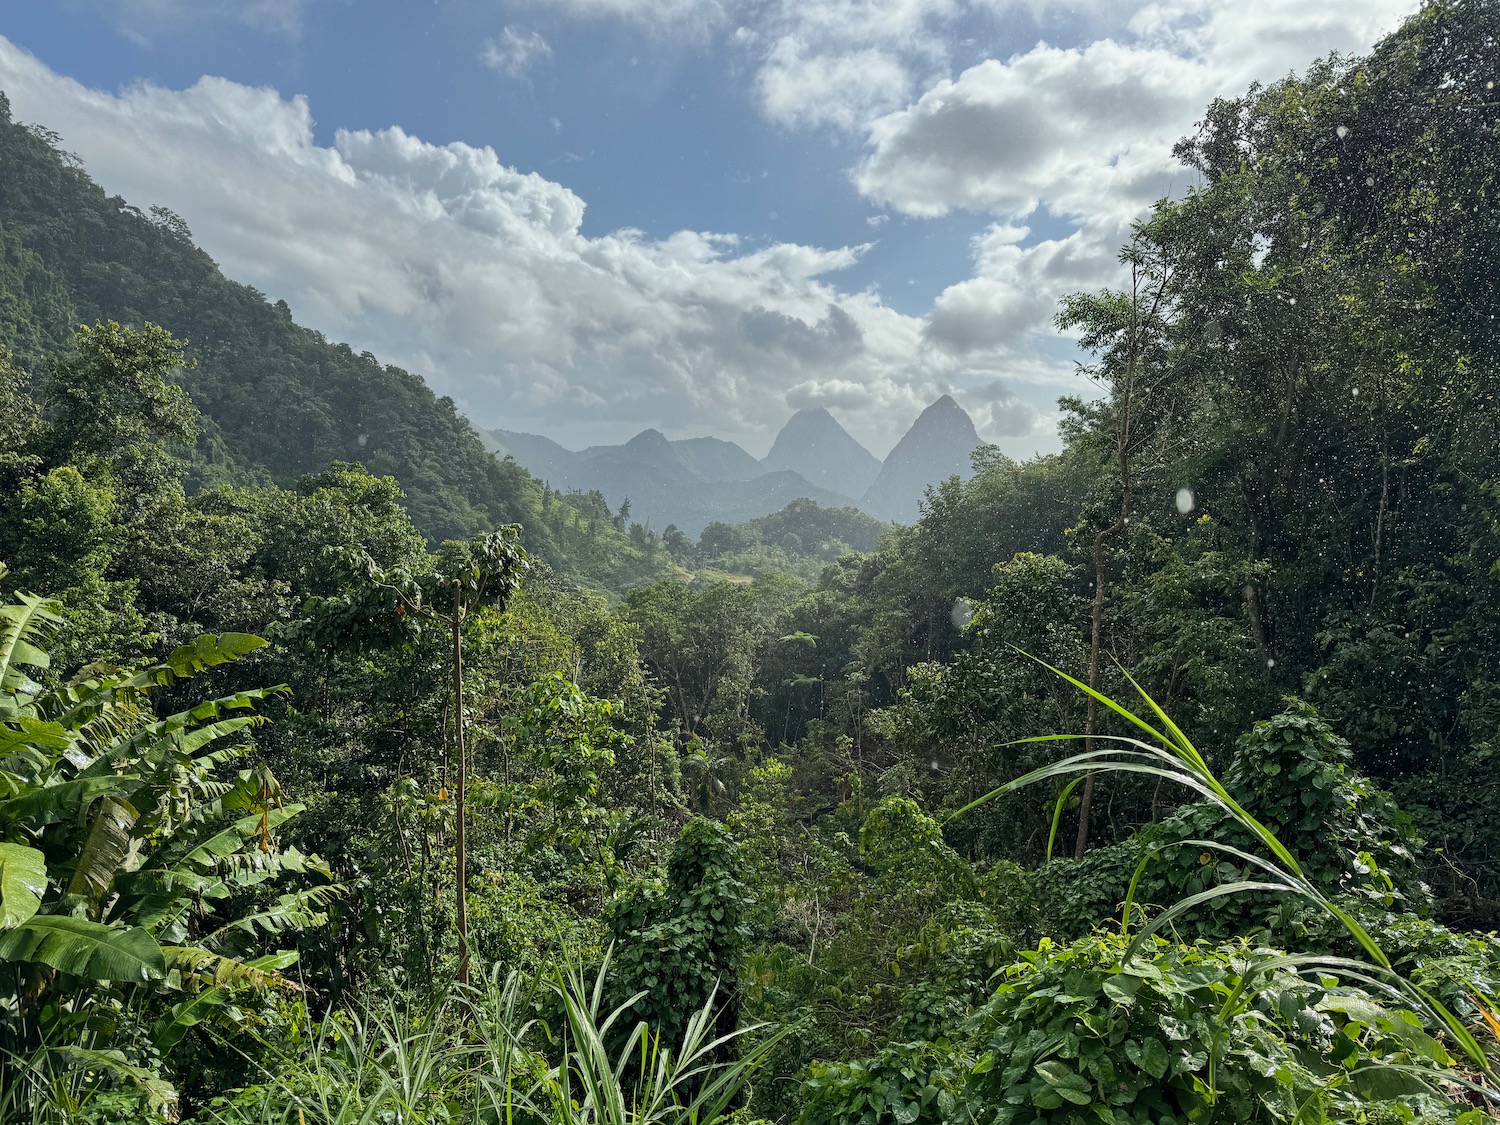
693 482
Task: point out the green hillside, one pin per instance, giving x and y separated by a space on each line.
279 401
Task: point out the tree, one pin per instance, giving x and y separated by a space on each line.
1126 330
678 545
114 394
700 641
386 607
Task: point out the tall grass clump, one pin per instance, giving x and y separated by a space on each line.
508 1051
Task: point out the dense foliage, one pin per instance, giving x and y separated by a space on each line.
615 827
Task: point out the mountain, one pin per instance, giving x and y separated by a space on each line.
738 501
718 459
936 447
699 481
542 457
691 483
813 445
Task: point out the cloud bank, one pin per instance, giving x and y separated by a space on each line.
447 260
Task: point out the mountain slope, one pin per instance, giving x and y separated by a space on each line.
936 447
813 445
717 459
542 457
690 483
278 400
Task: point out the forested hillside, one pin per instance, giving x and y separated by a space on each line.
276 400
1152 781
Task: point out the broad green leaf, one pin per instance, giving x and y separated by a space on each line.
104 851
48 804
160 1094
1063 1081
22 625
1151 1056
226 972
168 1031
84 949
23 881
1122 988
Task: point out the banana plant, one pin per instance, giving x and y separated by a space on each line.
135 849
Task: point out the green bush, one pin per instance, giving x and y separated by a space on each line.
1351 840
1180 1033
680 940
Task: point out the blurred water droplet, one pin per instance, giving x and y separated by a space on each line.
1342 131
963 613
1185 500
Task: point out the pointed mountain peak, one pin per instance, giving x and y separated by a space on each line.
814 445
945 410
936 447
811 420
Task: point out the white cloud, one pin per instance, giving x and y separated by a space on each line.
1088 130
513 52
841 62
1085 135
801 87
444 258
999 410
1066 127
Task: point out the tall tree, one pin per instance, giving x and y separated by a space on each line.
1125 330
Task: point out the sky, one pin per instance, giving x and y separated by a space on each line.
584 218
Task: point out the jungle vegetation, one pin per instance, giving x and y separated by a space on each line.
367 780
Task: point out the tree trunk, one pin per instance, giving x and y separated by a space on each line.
462 794
1125 424
1096 646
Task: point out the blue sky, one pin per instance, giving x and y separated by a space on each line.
584 217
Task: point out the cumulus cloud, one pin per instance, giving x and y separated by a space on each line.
513 52
476 274
1079 132
800 86
1089 130
1083 134
1001 411
839 63
1068 127
661 16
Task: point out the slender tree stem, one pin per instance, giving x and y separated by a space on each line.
1127 396
462 794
